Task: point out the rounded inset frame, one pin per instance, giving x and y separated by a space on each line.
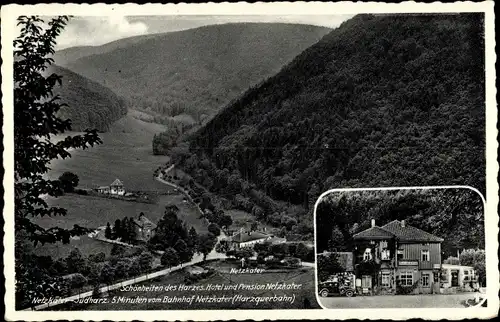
376 245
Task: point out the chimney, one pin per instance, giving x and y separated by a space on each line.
402 223
373 222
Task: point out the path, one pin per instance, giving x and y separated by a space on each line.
184 192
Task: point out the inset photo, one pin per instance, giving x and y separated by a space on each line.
400 248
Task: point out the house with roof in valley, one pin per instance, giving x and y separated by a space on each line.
144 228
115 188
248 238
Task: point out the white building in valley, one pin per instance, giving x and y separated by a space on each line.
245 239
116 188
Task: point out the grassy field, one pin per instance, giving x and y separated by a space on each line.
93 212
85 245
126 153
300 276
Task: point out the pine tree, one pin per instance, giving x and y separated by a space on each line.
132 234
124 230
192 241
117 229
107 232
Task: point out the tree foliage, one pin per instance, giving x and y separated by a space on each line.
327 266
206 244
169 231
107 231
35 124
214 229
170 257
69 181
183 251
477 259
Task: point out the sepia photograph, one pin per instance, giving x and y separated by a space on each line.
401 248
182 158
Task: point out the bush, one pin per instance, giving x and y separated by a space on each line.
97 258
214 229
405 290
96 292
69 181
76 280
81 192
274 263
117 250
134 251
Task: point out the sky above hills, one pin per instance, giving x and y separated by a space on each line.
94 31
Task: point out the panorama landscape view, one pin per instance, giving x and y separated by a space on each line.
215 143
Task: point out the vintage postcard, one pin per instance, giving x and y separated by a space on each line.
250 161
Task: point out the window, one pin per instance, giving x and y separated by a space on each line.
386 279
425 255
406 278
425 279
367 255
401 254
466 275
386 254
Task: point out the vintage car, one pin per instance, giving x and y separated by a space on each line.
334 288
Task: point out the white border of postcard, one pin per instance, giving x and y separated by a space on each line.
8 16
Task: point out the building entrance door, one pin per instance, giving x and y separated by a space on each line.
454 278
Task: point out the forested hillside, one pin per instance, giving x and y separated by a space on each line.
66 56
380 101
90 105
197 71
456 215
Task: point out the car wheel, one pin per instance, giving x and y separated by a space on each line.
323 293
349 293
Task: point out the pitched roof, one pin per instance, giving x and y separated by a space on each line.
143 220
409 233
243 237
117 182
374 233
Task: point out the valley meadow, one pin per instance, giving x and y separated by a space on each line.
125 154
